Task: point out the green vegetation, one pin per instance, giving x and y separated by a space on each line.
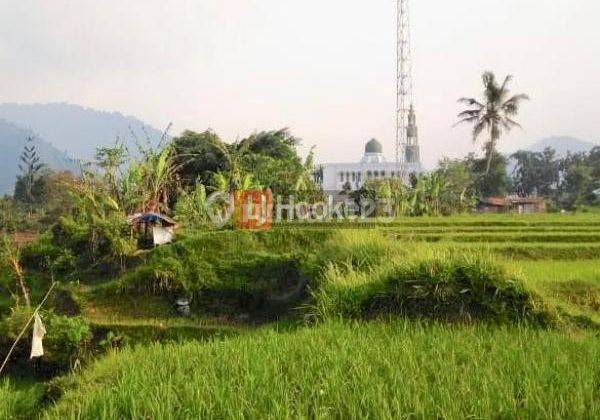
19 399
393 369
573 285
424 316
442 286
64 342
453 317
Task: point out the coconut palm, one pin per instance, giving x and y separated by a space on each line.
494 114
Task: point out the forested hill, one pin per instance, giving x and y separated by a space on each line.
76 129
12 140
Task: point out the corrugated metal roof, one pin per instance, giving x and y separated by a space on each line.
150 217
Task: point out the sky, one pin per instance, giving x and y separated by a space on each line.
323 68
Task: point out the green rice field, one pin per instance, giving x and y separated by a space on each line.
480 317
383 370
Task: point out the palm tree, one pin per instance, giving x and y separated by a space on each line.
494 114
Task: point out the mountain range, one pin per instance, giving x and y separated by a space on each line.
12 140
65 134
77 130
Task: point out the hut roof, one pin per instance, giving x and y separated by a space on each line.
494 201
150 217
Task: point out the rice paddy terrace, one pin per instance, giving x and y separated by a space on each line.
474 316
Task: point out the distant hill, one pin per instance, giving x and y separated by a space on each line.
78 130
12 140
563 144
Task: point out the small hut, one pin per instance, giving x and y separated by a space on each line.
492 205
512 204
156 227
527 205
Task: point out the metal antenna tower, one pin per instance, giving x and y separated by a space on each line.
404 88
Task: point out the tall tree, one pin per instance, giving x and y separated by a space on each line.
306 188
110 159
593 160
237 177
30 167
494 114
272 158
458 192
199 156
490 175
577 185
278 144
536 172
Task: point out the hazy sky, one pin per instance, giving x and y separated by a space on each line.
324 68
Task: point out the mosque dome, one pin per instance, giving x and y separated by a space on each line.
373 146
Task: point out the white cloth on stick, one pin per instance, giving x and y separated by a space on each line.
37 350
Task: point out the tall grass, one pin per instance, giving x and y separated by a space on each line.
482 267
352 272
424 283
337 370
18 400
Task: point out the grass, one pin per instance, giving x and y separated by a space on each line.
19 399
572 285
478 270
238 271
467 220
428 284
396 369
560 271
476 237
542 251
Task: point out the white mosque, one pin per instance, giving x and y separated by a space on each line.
351 176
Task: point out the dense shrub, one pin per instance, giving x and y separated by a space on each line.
65 340
44 254
232 271
106 239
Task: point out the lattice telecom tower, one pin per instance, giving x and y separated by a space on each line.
407 144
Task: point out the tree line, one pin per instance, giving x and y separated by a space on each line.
177 174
